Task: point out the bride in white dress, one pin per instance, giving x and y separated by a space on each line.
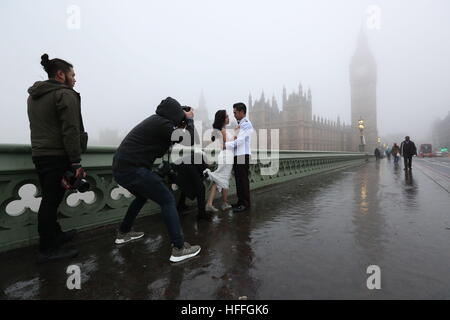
221 176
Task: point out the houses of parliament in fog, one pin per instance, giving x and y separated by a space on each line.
299 129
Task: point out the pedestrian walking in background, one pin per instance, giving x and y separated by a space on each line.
408 150
377 154
395 152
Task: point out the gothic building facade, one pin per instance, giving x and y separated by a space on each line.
298 128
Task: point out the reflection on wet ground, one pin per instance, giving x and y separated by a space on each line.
312 238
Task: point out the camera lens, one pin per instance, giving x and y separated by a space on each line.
84 186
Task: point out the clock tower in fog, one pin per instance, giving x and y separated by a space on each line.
363 87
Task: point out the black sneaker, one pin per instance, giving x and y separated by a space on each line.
240 209
235 205
57 254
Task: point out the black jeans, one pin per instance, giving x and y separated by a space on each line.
145 184
408 161
190 180
50 170
200 202
241 167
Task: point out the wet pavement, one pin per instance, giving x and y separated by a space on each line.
312 238
437 169
440 165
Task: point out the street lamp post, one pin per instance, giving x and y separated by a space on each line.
361 128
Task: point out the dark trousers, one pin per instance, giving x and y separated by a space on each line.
241 168
190 180
396 158
408 161
50 171
145 184
200 201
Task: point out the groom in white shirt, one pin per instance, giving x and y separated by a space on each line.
242 153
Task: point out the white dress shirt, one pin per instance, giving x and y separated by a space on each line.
241 145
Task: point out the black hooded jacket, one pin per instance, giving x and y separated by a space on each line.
151 138
408 148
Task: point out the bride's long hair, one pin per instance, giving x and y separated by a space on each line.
219 119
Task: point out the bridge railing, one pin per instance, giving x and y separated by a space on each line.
106 202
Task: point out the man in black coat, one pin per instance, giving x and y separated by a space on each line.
189 178
408 150
132 169
377 153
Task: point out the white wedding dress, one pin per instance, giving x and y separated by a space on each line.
225 160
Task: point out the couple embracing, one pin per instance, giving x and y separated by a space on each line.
235 154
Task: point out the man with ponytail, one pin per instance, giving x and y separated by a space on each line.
57 141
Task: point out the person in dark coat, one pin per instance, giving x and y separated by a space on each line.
57 142
408 150
388 153
395 152
189 178
377 153
132 169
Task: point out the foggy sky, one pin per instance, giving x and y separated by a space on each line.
129 55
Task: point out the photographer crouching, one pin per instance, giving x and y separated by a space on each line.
57 140
132 169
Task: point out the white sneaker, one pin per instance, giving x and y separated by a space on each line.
226 206
211 209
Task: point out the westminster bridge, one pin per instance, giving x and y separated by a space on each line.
316 228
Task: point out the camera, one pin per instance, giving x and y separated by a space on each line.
164 170
70 182
183 122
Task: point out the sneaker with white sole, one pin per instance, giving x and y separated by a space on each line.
129 236
211 209
226 206
186 252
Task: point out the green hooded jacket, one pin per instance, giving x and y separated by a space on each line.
56 125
